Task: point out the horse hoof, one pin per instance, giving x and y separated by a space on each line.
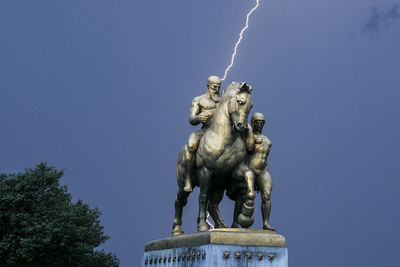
247 210
245 221
221 225
249 203
201 227
235 225
177 231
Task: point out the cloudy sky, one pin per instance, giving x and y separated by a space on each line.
102 89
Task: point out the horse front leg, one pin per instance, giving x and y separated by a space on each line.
246 218
249 176
205 180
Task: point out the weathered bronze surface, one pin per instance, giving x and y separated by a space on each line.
256 160
225 154
202 111
220 154
225 236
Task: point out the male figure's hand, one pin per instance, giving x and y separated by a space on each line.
257 139
203 117
249 129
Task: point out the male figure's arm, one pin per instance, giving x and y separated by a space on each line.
269 143
196 116
194 111
249 139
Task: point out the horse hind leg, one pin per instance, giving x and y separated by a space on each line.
204 179
213 208
240 200
180 202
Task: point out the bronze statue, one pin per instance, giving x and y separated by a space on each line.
257 162
202 111
220 157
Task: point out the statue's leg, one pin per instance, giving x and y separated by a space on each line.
204 176
264 182
190 153
180 202
213 207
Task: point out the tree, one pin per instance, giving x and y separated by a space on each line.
41 226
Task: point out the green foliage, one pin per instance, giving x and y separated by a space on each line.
41 226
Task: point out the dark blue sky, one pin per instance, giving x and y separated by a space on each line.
103 89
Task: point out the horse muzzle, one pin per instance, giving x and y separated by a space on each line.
240 127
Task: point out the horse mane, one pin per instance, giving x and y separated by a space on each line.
234 88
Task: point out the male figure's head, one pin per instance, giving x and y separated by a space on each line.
213 87
257 122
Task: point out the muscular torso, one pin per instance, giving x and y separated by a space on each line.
204 104
257 159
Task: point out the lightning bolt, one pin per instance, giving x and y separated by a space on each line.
208 222
240 39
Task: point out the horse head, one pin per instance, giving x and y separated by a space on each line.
239 104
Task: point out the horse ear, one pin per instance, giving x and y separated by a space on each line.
250 89
245 88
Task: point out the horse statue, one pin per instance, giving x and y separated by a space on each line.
220 158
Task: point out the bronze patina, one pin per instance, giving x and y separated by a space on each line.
225 154
202 111
256 160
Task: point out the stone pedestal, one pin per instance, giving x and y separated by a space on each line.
218 247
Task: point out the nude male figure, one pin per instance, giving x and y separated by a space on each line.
202 110
257 163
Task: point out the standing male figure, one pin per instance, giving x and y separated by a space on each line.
257 163
202 110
